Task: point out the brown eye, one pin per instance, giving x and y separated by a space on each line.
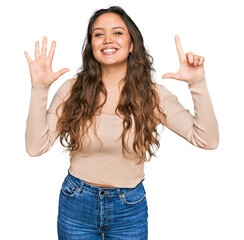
97 34
118 33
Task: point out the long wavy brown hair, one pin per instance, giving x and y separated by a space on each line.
138 99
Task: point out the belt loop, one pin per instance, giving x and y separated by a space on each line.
81 185
119 193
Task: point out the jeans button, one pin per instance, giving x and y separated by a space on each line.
102 192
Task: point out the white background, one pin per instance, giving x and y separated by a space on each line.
192 193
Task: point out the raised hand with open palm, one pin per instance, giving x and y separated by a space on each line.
191 66
41 67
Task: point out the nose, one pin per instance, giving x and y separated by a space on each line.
108 39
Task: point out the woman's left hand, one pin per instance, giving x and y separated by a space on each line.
191 66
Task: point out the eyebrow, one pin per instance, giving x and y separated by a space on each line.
103 28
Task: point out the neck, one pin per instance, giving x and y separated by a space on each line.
111 76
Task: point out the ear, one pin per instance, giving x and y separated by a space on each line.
131 47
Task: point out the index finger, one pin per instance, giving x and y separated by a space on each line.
179 48
51 52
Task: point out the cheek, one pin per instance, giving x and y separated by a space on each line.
95 44
95 48
124 42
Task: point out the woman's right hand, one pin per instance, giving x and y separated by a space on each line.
41 67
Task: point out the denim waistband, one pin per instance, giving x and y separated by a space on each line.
79 183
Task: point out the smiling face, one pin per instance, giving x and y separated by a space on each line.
111 41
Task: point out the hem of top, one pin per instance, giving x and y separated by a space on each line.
34 84
82 180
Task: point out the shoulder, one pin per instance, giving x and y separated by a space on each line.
162 91
65 88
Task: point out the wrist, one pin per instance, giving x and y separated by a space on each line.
37 84
197 79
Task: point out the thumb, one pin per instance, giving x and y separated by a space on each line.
168 75
61 72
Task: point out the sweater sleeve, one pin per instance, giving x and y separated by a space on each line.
200 130
41 133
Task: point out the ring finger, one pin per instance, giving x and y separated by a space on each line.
196 60
44 47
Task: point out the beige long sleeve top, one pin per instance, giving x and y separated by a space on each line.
107 165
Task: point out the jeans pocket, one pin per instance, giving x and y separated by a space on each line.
135 196
69 189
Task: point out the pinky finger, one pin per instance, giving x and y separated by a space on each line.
27 57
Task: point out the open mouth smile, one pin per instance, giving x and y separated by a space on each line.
109 51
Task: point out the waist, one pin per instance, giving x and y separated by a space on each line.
107 172
100 185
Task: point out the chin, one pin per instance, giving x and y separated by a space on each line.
112 62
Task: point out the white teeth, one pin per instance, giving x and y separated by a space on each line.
109 50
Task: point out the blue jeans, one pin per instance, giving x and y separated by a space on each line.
88 212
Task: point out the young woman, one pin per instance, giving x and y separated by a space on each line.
108 116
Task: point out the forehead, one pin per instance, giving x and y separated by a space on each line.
109 20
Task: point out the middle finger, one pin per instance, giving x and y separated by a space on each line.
190 57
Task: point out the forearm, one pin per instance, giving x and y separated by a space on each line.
203 131
37 138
